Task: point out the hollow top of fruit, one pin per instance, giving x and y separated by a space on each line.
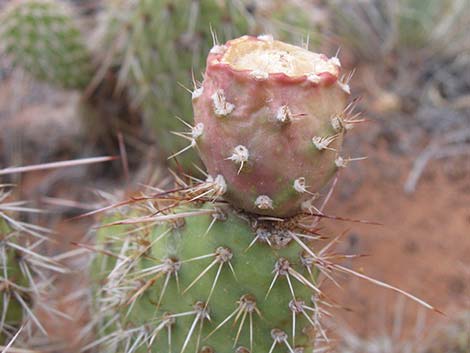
270 56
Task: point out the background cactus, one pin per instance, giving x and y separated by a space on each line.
45 38
374 29
11 312
25 273
407 53
42 38
157 47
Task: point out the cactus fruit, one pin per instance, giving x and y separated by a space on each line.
40 36
161 44
270 118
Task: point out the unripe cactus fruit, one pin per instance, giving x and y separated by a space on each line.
273 117
41 37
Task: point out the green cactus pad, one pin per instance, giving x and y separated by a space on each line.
201 281
41 37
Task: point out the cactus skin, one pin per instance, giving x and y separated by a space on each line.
274 136
40 36
156 297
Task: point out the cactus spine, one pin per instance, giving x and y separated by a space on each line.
41 37
185 271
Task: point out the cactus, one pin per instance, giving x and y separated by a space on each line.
11 313
40 36
291 21
270 117
43 38
416 20
155 45
185 271
25 273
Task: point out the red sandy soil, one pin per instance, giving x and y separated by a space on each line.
422 247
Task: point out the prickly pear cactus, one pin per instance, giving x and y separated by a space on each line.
208 280
41 37
270 117
416 20
185 271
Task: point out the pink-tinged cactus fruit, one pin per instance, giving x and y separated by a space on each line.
273 122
